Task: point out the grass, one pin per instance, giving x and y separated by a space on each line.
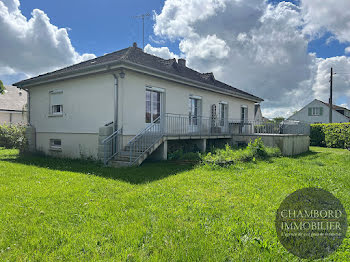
52 209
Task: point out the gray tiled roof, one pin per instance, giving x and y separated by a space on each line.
13 99
137 56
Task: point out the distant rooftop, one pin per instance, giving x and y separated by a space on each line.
13 99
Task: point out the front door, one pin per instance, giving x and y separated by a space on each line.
153 106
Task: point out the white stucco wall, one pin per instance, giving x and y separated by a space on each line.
303 114
88 104
133 94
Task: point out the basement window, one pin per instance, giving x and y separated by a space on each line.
56 144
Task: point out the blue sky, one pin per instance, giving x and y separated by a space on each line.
99 26
265 50
104 26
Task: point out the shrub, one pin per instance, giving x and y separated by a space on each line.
229 156
257 147
180 155
13 136
335 135
317 137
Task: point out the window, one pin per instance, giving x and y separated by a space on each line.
315 111
194 109
153 105
223 113
55 144
56 103
244 113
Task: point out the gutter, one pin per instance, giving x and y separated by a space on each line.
115 121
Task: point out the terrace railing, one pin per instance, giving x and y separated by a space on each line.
112 145
143 142
187 125
175 124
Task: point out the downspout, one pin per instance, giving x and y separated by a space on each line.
115 122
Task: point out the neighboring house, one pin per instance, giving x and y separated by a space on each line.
318 112
13 106
131 93
258 115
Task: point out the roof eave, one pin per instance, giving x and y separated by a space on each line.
104 67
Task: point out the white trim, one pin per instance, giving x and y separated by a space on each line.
223 102
56 114
54 147
56 91
244 106
196 97
157 89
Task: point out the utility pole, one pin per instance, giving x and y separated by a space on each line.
143 27
331 97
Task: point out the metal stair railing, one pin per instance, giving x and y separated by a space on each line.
142 142
112 145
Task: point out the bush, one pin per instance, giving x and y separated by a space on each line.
335 135
180 155
13 136
317 137
229 156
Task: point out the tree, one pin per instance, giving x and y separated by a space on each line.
2 88
278 119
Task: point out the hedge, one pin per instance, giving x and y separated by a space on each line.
13 136
335 135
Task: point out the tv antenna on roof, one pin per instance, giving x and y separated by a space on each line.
143 27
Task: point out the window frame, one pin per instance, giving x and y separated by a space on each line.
55 147
315 111
223 113
52 112
194 109
151 103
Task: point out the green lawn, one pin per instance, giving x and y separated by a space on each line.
54 209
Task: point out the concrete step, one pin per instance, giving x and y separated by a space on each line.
114 163
143 148
127 153
125 158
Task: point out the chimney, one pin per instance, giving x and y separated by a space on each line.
134 44
182 62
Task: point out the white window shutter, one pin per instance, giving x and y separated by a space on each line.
56 99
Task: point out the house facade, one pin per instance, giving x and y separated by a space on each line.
73 110
13 106
318 112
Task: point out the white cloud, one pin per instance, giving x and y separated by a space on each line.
322 16
33 46
341 79
162 52
347 50
258 47
249 44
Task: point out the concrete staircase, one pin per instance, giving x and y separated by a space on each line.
128 157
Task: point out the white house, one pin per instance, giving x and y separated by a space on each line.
13 106
134 97
318 112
